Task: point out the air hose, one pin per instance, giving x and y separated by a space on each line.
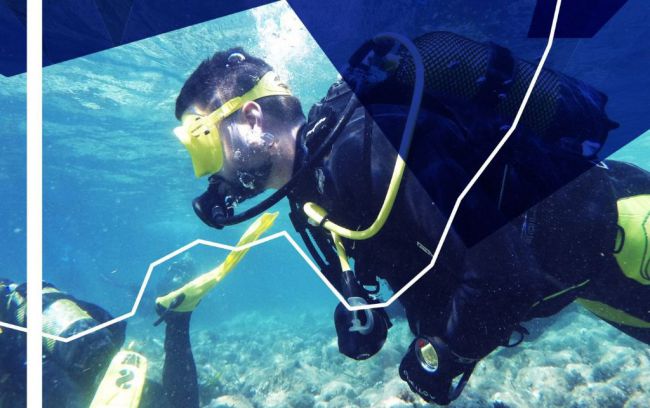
318 215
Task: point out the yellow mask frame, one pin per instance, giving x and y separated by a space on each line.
200 133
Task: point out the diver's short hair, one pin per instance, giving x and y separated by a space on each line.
232 73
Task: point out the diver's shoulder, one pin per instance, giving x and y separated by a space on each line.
628 179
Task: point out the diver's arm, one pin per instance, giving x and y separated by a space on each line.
179 370
501 281
494 285
494 295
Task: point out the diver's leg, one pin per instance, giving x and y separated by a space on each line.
179 371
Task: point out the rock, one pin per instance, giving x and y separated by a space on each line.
638 400
598 395
330 351
337 402
562 358
583 365
230 401
337 388
508 399
394 393
301 400
393 402
389 357
643 380
277 399
546 386
578 374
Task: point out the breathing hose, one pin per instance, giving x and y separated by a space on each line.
318 215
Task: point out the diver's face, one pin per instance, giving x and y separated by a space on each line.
248 148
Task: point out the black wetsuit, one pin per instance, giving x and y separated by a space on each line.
63 388
487 277
13 372
573 234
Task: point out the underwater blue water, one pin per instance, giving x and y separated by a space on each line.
12 177
118 186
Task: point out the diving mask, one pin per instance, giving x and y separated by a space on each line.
200 133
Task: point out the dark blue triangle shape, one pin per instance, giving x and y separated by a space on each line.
149 18
578 19
74 28
13 38
19 8
115 14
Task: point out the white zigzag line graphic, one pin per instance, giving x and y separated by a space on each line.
311 264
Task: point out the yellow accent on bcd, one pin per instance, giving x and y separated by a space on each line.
633 248
611 314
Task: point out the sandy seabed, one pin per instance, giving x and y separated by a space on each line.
281 360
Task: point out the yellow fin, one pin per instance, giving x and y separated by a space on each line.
123 382
188 297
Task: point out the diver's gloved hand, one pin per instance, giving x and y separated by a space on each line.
171 317
168 309
430 367
361 333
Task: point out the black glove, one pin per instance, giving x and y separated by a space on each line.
360 333
430 366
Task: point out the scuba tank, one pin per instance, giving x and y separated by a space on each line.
480 87
462 72
63 315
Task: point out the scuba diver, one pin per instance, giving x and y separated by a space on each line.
92 371
547 223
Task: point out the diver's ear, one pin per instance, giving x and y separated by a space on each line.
252 112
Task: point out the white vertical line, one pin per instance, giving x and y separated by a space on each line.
34 203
